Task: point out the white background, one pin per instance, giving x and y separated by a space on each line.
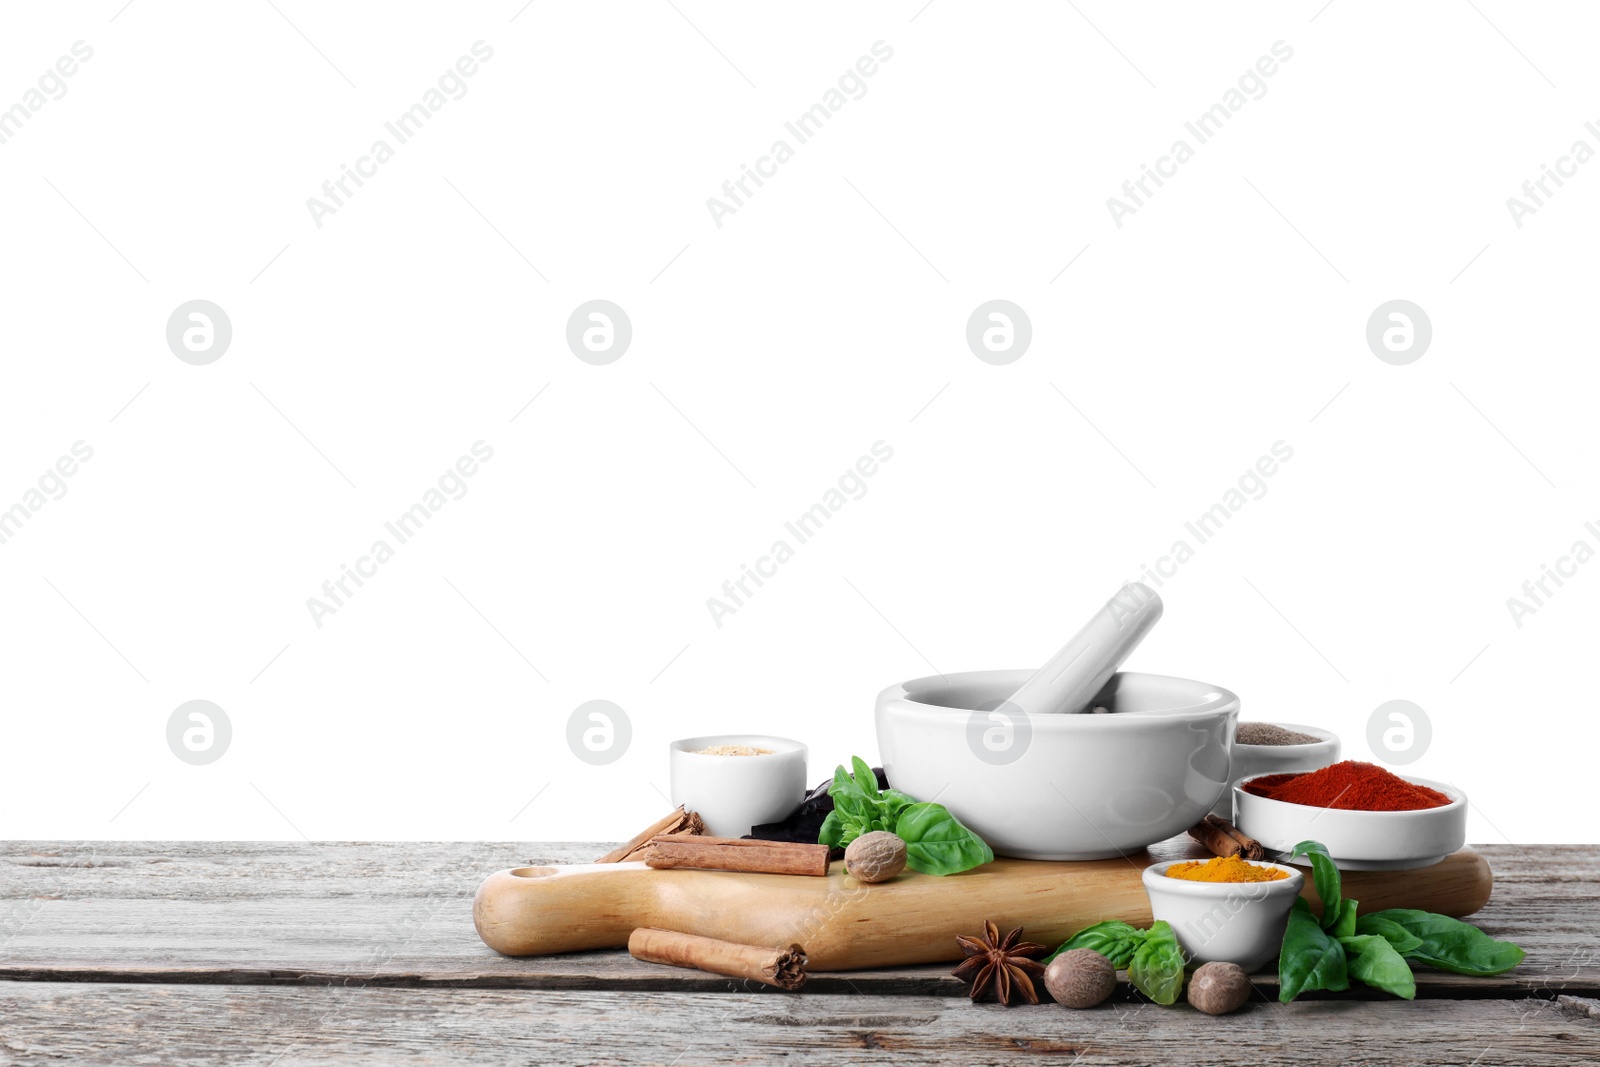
826 314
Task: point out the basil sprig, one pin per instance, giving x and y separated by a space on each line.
936 842
1309 959
1157 966
1153 957
1380 949
1375 962
1444 943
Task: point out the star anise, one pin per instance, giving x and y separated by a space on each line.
1000 965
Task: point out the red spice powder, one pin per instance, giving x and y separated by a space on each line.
1348 786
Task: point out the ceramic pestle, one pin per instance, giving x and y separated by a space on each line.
1067 684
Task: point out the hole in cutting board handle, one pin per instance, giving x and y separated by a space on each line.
533 872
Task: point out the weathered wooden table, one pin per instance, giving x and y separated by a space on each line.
264 953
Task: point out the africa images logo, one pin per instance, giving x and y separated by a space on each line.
1203 128
451 85
804 127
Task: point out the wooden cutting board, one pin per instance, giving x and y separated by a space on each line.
844 925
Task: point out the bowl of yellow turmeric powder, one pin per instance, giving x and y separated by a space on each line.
1224 909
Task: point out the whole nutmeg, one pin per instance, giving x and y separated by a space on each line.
875 857
1080 978
1218 988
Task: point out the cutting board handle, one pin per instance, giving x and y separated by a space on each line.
535 911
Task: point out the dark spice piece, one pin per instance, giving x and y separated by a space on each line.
805 822
1001 966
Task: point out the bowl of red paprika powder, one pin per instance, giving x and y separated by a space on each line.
1370 819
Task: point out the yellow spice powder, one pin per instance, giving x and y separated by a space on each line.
1224 869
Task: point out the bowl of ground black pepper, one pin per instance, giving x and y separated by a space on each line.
1276 748
1370 818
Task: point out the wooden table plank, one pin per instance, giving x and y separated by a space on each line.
400 914
191 1026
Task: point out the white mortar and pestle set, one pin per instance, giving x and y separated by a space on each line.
1073 761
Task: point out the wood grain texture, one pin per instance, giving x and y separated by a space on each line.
400 914
193 1026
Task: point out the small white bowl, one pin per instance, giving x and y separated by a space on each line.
734 793
1358 840
1251 760
1231 922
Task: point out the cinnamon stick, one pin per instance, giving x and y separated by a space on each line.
679 821
1250 848
1222 838
1214 838
737 854
784 968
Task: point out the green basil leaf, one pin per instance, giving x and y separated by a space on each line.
1374 961
1113 939
1344 925
1156 969
937 843
1401 939
855 810
1325 876
893 802
1310 959
1452 945
845 786
865 780
839 830
856 807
